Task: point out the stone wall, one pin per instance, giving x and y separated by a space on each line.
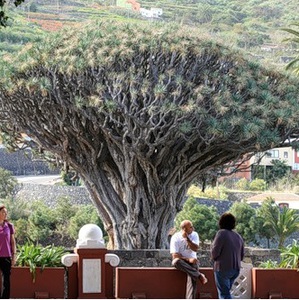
22 163
51 193
79 195
162 258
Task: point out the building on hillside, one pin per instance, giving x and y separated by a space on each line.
286 154
264 159
244 171
295 166
152 13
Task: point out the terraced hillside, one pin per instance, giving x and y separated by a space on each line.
252 25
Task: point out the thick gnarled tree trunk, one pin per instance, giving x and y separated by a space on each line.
140 213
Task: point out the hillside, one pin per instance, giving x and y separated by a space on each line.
252 25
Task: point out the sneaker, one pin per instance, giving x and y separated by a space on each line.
203 279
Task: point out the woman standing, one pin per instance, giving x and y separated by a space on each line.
227 253
7 251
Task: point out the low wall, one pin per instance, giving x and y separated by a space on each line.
162 258
159 283
50 194
275 283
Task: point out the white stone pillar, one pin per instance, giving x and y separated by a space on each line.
91 256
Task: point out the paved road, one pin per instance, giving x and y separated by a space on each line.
42 179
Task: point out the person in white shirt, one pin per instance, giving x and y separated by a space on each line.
183 247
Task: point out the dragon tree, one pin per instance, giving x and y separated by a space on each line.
140 112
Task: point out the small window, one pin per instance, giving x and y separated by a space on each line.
285 154
273 153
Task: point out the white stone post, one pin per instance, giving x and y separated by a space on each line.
91 256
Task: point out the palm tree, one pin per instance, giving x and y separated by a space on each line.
294 64
283 221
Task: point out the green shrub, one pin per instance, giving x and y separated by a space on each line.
219 192
257 185
64 211
22 229
246 223
38 223
17 209
7 183
42 222
85 214
242 184
204 218
289 258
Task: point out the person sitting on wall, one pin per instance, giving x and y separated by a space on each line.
183 247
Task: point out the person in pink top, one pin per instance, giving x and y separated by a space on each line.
7 251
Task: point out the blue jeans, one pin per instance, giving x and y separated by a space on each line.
224 282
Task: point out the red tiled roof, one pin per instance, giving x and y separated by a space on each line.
278 197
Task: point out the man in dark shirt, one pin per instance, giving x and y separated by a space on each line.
227 252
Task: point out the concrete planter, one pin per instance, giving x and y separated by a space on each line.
275 283
49 283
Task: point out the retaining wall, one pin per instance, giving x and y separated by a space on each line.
162 258
22 163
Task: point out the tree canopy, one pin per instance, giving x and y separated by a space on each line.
140 111
246 220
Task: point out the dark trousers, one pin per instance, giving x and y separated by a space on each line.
5 267
192 271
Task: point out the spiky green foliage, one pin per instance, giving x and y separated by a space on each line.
294 64
287 223
34 256
281 222
269 264
290 256
140 111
